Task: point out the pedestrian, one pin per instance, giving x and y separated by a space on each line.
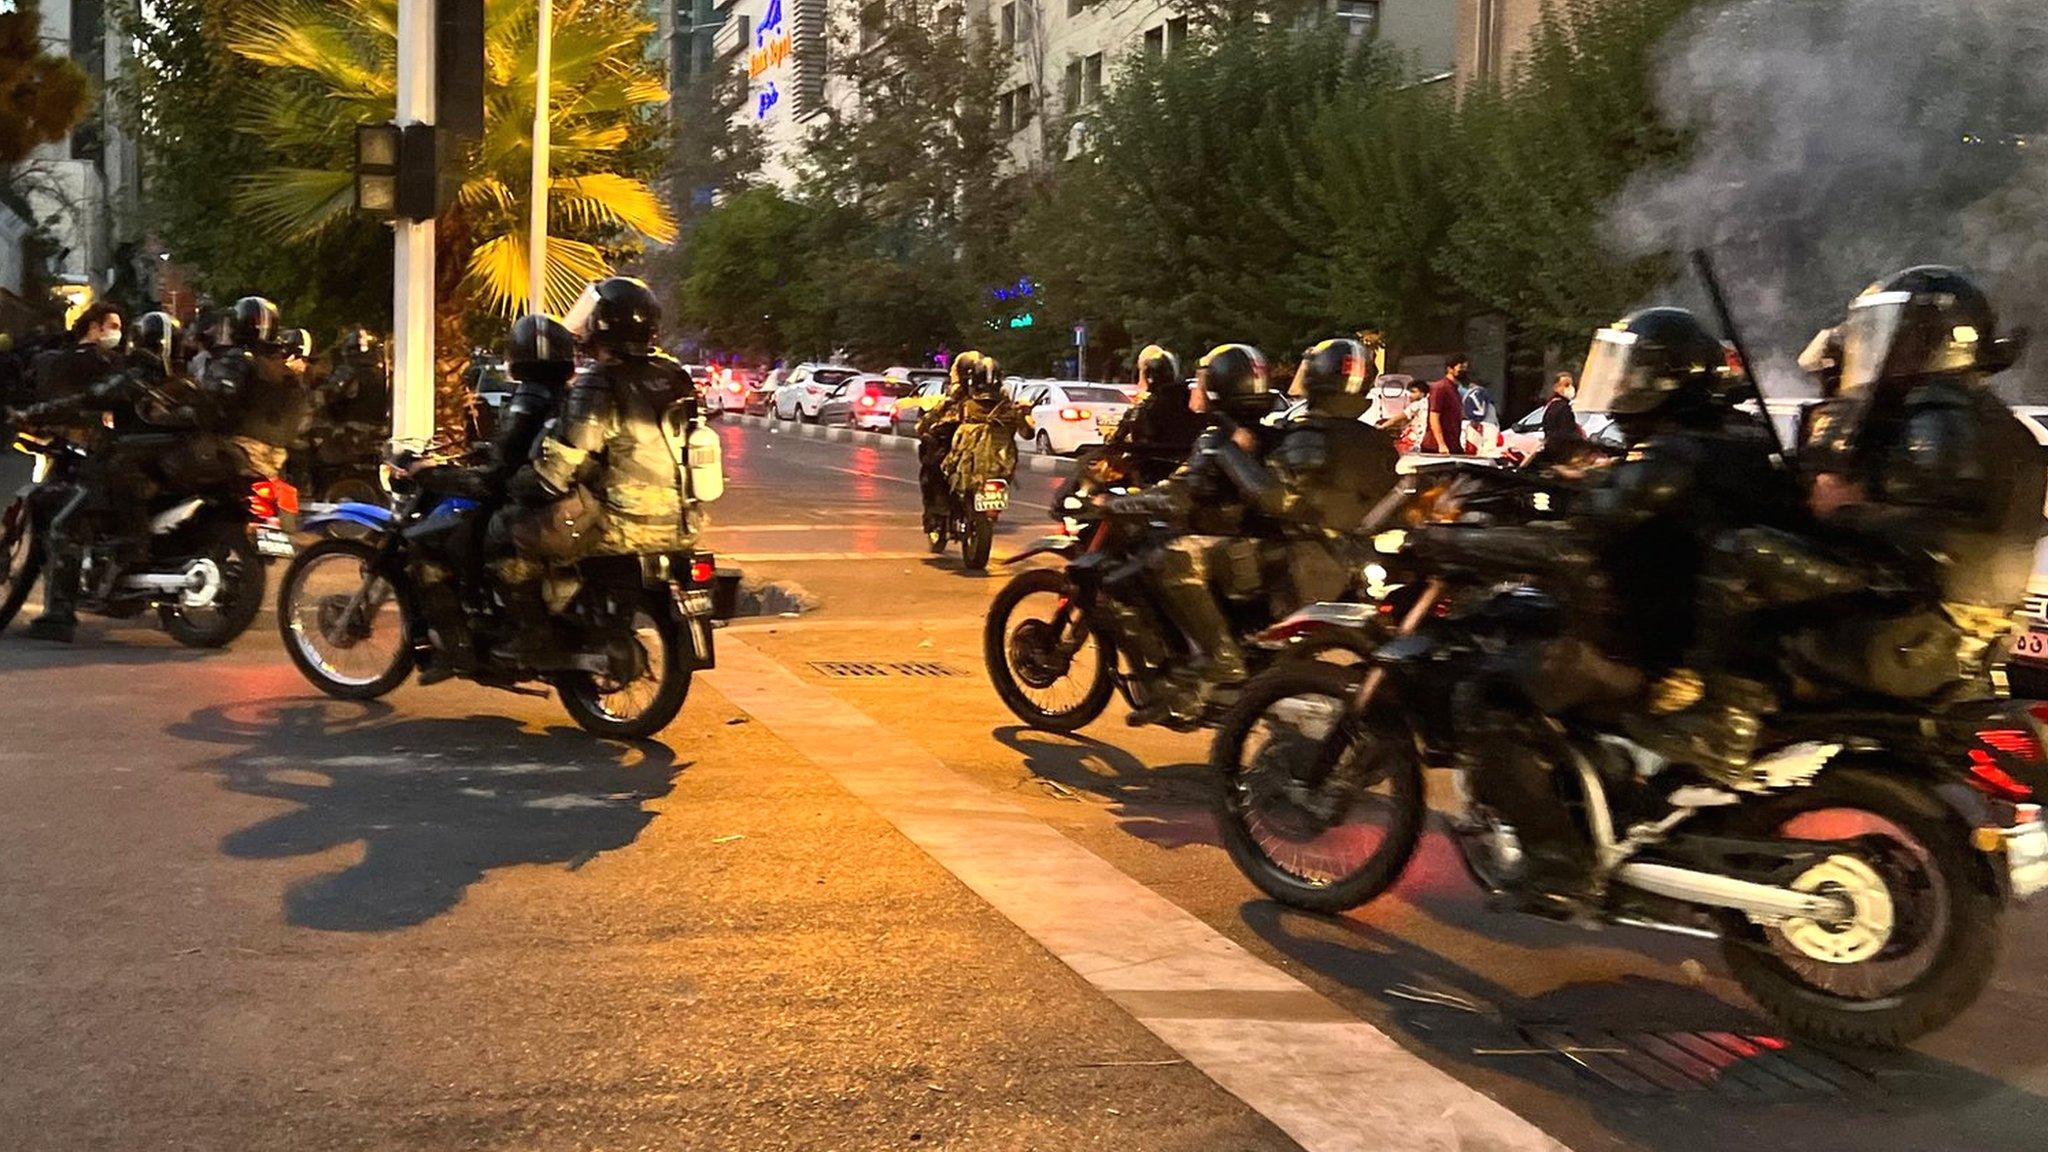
1482 418
88 353
1410 423
1447 409
1565 446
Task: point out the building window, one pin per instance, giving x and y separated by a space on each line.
1070 93
1091 79
1361 17
1176 34
1155 43
1007 35
1014 109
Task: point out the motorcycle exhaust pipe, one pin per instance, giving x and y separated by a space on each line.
157 582
1762 901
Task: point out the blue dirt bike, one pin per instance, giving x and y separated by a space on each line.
389 590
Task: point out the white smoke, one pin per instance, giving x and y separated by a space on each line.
1838 140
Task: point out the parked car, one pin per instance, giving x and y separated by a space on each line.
1067 417
1524 438
866 401
916 377
761 392
723 389
908 410
804 390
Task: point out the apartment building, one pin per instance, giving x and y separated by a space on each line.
1492 34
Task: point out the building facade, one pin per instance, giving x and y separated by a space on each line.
1491 36
72 206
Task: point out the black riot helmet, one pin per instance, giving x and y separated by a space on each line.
252 322
1159 371
624 316
1233 377
1653 364
964 366
1924 321
1335 377
296 342
984 377
541 350
154 342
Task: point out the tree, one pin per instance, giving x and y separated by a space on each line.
736 285
42 97
329 66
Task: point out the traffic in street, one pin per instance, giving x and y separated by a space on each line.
847 900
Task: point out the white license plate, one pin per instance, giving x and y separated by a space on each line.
273 543
2031 646
991 501
696 602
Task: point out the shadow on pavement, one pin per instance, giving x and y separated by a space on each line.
1835 1100
436 802
100 644
1167 805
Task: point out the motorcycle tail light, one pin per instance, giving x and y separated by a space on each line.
994 485
703 570
2012 742
1987 777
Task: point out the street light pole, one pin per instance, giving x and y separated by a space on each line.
537 227
412 291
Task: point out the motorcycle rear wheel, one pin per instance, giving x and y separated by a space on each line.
243 578
1304 858
1000 652
977 542
21 549
642 708
1941 906
309 627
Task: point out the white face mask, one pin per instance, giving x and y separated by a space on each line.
110 339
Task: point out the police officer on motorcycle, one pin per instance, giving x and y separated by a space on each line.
1928 496
255 397
1159 431
120 475
935 430
607 479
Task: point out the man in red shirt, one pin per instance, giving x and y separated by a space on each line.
1444 432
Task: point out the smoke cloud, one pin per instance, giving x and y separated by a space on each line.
1839 140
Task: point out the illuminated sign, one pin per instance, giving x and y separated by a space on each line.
770 54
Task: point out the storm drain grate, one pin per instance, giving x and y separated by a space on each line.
865 669
1654 1063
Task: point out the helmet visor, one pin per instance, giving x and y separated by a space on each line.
1612 377
1868 336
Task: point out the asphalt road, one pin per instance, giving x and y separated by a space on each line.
237 915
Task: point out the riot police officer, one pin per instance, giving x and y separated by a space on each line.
607 479
258 401
935 431
1159 431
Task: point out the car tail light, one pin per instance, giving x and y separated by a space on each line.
1987 777
867 400
1072 414
703 569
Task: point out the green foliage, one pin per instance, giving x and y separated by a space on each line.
735 280
42 97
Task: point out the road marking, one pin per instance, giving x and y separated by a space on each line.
808 557
1329 1080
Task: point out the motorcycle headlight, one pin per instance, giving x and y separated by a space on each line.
1390 542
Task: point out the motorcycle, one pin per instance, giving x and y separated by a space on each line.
355 616
204 575
1854 875
973 523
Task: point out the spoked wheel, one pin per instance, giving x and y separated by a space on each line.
21 549
1918 935
1315 833
353 490
228 592
1053 670
343 625
645 688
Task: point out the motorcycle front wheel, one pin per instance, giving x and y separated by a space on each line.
638 706
1021 644
343 625
239 598
1325 841
21 549
1922 939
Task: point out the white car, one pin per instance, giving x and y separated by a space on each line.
806 389
1066 418
1524 438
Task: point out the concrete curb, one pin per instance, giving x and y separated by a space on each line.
1026 459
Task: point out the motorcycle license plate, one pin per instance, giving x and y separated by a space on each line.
2026 858
696 602
274 543
2031 646
992 501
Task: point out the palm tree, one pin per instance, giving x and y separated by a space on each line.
331 64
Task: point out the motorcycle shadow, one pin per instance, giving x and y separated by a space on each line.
100 644
1590 1046
437 803
1166 805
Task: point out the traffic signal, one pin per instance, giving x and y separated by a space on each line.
377 169
399 171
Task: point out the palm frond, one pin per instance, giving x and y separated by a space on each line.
298 201
498 272
611 199
323 41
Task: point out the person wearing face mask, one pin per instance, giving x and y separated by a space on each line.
91 351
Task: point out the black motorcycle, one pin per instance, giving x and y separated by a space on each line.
204 574
1854 875
354 611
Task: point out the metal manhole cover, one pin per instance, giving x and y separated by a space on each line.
867 670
